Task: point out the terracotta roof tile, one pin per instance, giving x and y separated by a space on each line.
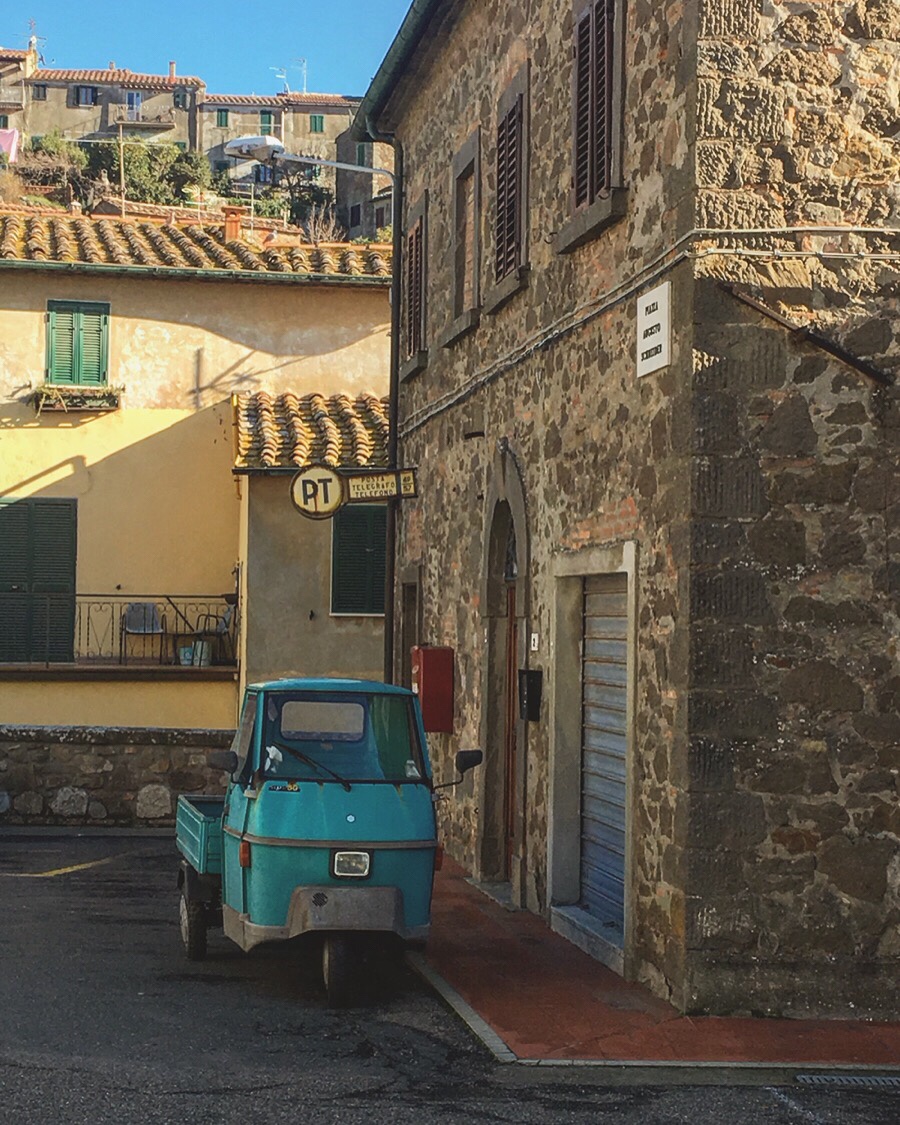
44 236
210 101
284 98
8 54
119 77
287 431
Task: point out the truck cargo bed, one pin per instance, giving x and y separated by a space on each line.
198 831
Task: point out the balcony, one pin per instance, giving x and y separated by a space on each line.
138 117
170 635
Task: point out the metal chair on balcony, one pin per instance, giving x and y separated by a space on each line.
141 619
216 629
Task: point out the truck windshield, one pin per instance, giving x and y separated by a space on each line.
347 737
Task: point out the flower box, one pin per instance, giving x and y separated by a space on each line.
65 399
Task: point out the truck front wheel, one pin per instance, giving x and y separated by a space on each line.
192 919
338 969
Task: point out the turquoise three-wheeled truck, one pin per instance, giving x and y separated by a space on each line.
327 825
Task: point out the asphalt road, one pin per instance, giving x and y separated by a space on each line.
103 1020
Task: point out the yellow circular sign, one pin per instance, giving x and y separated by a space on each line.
317 492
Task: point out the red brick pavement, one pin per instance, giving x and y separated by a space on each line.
548 1000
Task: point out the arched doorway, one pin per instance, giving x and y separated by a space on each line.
504 605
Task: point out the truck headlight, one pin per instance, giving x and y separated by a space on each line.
351 865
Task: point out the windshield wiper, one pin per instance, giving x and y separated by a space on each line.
300 756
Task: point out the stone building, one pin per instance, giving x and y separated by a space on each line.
650 334
96 104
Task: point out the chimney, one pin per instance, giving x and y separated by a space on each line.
233 223
112 65
172 69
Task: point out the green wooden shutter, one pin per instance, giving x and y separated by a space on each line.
77 343
92 358
358 559
61 345
37 580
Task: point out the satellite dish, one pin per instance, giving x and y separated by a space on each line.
254 148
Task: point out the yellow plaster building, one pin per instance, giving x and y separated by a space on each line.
129 550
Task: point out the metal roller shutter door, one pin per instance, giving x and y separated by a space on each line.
604 698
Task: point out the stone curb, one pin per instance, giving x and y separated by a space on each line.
638 1071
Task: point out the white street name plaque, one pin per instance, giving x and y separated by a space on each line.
653 330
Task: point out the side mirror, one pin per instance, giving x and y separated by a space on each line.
225 760
467 760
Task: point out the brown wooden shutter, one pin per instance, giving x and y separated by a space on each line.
509 191
604 12
583 97
592 92
414 289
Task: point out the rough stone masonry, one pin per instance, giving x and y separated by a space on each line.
756 476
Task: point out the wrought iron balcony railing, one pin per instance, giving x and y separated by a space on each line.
140 116
187 630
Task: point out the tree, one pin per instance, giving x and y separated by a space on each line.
148 169
190 169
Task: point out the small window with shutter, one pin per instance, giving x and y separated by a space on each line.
466 207
593 96
598 192
77 343
510 203
358 559
414 313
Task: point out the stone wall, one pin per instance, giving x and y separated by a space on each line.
602 457
755 477
793 859
103 776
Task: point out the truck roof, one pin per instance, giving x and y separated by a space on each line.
326 683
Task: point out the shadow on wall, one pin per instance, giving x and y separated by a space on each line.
316 320
158 513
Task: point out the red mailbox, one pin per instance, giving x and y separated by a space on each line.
432 681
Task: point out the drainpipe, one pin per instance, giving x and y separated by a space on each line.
393 394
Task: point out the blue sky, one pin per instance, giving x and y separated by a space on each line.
230 44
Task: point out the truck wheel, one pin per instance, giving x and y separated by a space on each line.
192 917
338 969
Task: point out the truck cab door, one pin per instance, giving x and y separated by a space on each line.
234 891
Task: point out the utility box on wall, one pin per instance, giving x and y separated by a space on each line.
432 681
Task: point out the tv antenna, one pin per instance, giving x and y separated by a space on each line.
301 66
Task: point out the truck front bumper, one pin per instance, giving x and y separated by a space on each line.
332 909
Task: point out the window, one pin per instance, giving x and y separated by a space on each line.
466 175
379 217
357 559
39 92
222 118
85 95
221 166
316 123
266 122
355 215
362 155
414 296
180 145
179 99
593 108
77 343
508 206
598 197
263 174
4 121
